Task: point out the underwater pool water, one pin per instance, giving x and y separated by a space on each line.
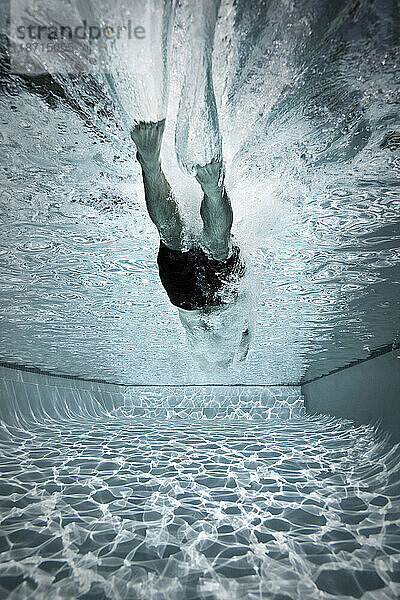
192 494
200 491
307 94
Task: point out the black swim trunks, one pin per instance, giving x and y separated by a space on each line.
195 281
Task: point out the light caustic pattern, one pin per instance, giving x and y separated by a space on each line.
121 506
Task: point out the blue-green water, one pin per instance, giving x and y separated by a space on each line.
307 94
191 493
200 492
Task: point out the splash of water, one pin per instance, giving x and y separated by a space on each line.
306 96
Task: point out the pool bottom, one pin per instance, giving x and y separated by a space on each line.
122 506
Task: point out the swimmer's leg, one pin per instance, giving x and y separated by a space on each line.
216 210
160 201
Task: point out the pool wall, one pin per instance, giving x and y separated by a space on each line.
27 396
367 392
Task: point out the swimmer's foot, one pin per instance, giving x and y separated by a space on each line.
210 176
148 139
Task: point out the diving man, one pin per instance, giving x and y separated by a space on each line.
201 280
